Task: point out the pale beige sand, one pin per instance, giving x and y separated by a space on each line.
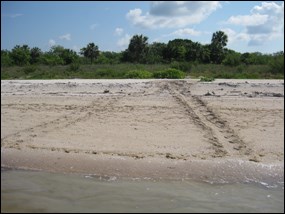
145 128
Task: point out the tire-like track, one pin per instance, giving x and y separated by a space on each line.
217 131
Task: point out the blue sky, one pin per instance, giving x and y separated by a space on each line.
250 25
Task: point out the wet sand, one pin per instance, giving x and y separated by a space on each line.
226 130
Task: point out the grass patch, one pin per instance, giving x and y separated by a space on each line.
237 72
138 74
128 70
170 73
206 79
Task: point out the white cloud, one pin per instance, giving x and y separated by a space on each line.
264 23
234 36
119 31
268 7
124 41
253 20
185 32
66 37
172 14
93 26
51 42
14 15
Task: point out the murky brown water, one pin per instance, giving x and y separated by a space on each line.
30 191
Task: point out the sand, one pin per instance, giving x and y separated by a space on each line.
172 129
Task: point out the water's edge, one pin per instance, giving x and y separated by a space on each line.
38 191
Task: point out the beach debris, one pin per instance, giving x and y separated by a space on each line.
277 95
71 84
254 159
208 94
228 84
106 91
170 156
211 94
66 150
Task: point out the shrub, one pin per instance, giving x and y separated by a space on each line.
232 59
206 79
169 74
74 67
138 74
29 69
183 66
277 64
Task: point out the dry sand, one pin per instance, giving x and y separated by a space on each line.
224 130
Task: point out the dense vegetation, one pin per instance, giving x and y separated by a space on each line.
176 59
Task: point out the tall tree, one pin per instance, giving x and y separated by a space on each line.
175 50
6 59
67 56
137 49
91 51
155 53
205 54
219 41
21 55
35 55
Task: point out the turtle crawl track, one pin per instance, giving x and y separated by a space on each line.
15 140
217 131
222 138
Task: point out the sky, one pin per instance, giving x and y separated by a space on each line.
251 26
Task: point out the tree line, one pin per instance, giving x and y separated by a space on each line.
140 51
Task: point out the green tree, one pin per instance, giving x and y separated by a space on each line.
102 59
277 63
137 49
155 53
35 54
219 41
205 54
57 50
194 51
21 55
69 56
6 59
232 58
61 55
175 50
255 58
51 59
91 51
109 57
245 58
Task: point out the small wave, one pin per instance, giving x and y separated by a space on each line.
100 177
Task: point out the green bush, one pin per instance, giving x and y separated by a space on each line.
138 74
29 69
118 71
206 79
108 73
232 59
277 64
241 68
74 67
169 74
183 66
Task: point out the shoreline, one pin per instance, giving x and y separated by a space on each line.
220 131
217 171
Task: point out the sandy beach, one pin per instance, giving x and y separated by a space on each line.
226 130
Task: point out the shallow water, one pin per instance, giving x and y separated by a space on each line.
31 191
